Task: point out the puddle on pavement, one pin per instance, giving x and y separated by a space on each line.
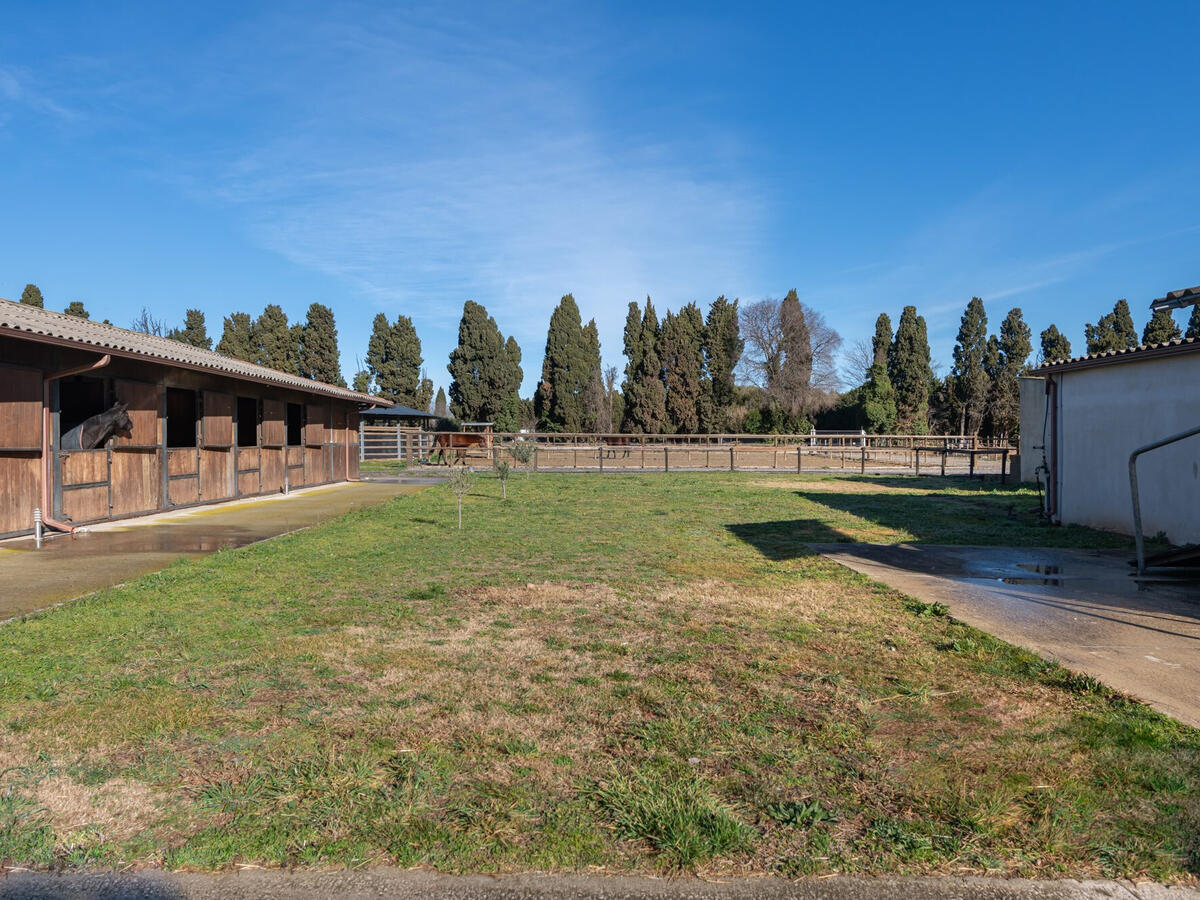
1046 570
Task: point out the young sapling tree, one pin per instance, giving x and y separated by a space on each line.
461 479
523 452
503 469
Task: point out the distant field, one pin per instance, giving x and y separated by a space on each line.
617 673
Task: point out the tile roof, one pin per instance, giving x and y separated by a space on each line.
33 323
1132 354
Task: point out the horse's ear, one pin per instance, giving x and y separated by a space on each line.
121 405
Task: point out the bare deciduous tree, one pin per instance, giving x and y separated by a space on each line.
146 323
807 382
857 362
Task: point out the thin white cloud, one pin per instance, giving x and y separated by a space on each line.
423 177
17 89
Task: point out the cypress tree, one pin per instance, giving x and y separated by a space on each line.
971 382
294 349
194 331
1055 345
1193 328
645 409
595 405
633 361
723 346
1008 361
1161 328
877 396
788 389
681 356
910 372
362 381
441 408
319 357
1113 331
570 361
274 342
485 371
32 296
882 341
394 360
237 339
75 308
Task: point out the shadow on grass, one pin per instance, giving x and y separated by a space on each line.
786 539
886 518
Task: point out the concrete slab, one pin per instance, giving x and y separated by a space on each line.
102 555
378 883
1078 607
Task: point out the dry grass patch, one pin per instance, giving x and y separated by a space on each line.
112 811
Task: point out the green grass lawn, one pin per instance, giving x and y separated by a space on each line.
621 673
383 465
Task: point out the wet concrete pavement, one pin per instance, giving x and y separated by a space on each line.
102 555
374 883
1078 607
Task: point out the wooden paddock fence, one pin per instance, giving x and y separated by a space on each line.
835 452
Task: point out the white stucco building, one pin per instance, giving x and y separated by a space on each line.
1093 412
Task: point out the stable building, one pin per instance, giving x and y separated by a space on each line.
99 423
1082 418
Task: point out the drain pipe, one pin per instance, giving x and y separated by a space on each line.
1138 538
47 470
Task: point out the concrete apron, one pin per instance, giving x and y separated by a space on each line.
99 556
375 883
1080 608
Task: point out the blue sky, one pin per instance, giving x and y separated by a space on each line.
406 158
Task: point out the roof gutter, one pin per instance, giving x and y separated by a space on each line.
47 471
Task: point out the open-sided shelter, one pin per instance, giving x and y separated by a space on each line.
204 428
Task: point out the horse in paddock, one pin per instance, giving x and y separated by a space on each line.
92 433
446 446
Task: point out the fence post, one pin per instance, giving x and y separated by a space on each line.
943 462
600 455
862 464
535 455
799 460
666 458
916 461
362 447
732 464
399 455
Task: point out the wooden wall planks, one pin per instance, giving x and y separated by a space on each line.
20 408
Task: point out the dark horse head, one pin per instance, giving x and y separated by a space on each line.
92 433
